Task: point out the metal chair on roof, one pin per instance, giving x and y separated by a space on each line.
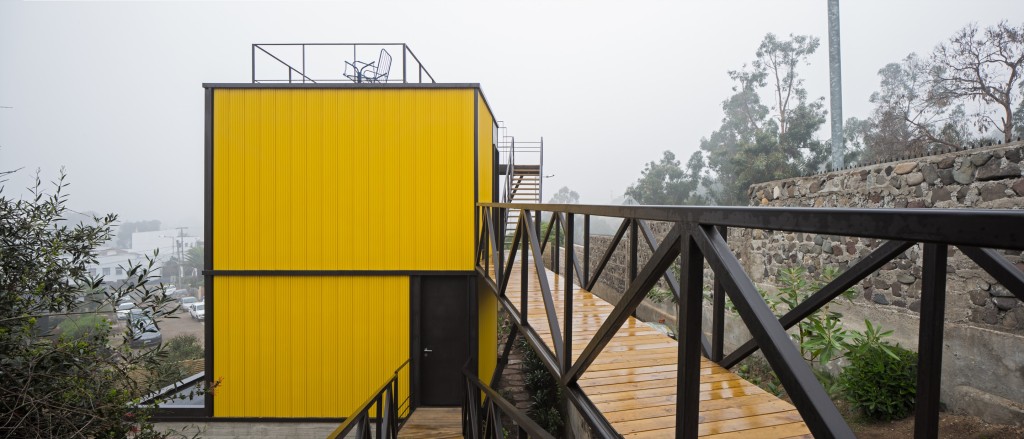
370 72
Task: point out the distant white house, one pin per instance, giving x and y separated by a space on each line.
168 241
112 262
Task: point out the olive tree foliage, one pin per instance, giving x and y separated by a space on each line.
766 139
66 380
665 182
983 66
907 117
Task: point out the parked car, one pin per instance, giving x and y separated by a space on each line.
198 310
187 302
149 336
124 309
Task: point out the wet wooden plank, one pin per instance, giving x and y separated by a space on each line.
633 380
433 423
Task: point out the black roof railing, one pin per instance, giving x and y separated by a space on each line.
326 63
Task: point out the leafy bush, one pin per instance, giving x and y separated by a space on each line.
757 370
881 380
82 382
820 336
545 396
179 350
660 295
77 328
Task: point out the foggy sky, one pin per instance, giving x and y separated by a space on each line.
112 91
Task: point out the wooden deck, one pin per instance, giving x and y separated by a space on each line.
433 423
633 380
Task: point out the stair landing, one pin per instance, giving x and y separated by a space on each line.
433 423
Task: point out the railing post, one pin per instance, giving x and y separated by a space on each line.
303 72
405 49
633 256
929 357
570 220
380 417
689 318
253 63
586 248
524 267
498 227
633 250
718 312
554 254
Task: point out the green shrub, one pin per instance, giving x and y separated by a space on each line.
79 327
881 380
178 350
660 295
545 397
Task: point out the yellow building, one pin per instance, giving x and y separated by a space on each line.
340 231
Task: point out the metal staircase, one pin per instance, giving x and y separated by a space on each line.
522 166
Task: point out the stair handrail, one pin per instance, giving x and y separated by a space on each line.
388 420
483 419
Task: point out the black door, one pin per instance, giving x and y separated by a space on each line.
444 339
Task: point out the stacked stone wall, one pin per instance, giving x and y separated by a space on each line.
986 178
983 361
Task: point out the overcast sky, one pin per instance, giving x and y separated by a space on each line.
112 91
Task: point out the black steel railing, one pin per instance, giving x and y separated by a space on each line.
482 415
325 63
387 419
698 235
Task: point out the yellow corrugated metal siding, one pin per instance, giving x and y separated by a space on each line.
307 346
343 179
487 303
330 180
485 123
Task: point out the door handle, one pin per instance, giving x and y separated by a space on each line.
427 350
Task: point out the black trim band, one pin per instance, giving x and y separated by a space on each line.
271 85
338 273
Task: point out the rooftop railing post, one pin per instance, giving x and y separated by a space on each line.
405 49
570 220
929 360
689 318
253 63
718 313
303 72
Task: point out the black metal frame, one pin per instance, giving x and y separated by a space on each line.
299 74
698 234
387 420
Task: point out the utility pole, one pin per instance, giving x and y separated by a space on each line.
181 250
835 84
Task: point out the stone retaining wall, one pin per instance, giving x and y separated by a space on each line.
983 359
988 178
